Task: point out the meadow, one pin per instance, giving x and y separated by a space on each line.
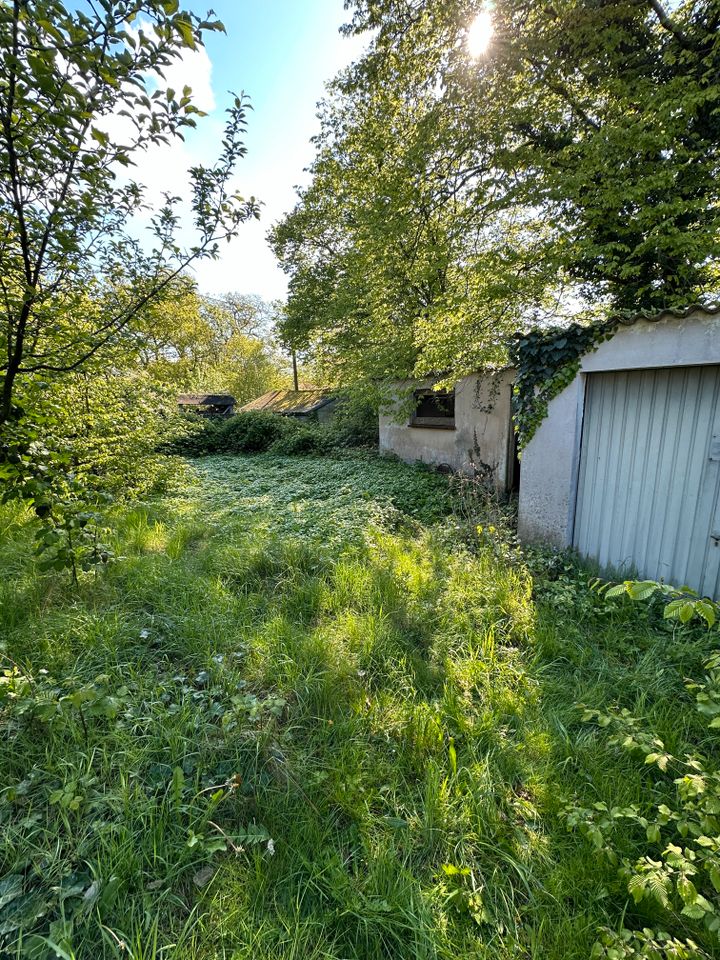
325 707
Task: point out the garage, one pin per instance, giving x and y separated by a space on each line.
649 475
625 464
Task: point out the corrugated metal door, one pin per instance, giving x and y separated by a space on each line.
649 480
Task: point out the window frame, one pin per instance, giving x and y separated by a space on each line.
433 423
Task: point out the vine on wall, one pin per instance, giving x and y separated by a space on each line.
546 361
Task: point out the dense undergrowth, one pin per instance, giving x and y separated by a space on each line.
353 425
314 712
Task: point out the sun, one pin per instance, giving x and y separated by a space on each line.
480 34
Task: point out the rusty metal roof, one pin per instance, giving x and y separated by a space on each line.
206 400
291 402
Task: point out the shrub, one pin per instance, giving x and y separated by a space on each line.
201 436
302 438
354 424
251 432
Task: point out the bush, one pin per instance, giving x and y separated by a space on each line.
201 436
251 432
354 424
302 438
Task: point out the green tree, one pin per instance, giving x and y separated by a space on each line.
72 273
570 170
190 342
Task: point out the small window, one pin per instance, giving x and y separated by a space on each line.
435 409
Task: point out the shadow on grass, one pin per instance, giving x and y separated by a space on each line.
397 712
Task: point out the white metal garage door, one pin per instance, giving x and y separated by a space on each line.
649 481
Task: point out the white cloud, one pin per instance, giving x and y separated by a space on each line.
279 149
270 172
163 168
193 70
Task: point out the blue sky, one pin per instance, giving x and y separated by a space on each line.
281 53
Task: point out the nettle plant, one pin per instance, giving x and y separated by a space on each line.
679 872
72 535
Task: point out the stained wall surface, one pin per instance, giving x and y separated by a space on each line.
482 442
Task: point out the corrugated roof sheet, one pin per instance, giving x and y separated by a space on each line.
205 399
670 313
291 402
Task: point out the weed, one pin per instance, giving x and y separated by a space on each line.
313 712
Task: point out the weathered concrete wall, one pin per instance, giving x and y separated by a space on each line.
481 443
327 412
550 461
548 465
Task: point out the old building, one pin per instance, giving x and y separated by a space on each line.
207 404
467 429
625 467
315 404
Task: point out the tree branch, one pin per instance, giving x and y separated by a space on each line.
667 22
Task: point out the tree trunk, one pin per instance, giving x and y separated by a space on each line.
7 393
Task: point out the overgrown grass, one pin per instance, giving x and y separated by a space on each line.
312 714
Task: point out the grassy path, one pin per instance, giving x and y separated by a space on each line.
309 716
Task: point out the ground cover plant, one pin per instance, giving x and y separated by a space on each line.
323 707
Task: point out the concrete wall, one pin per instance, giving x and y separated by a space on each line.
327 412
482 442
546 511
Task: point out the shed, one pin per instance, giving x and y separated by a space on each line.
625 467
315 404
207 404
467 429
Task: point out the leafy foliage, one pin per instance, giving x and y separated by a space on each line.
681 603
681 869
546 361
323 500
569 173
250 432
77 281
38 905
325 662
74 275
188 342
354 424
70 539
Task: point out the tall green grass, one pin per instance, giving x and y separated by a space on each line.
313 714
